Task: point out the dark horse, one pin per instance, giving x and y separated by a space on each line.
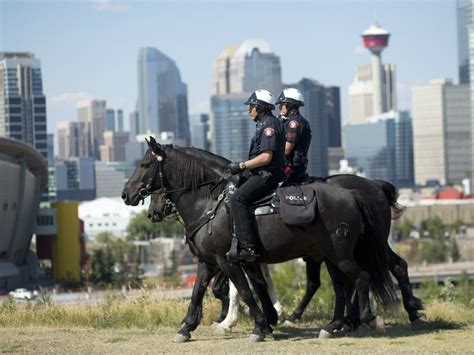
382 191
190 183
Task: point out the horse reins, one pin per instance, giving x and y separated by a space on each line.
157 167
145 192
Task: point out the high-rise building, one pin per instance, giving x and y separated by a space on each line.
465 27
248 67
442 132
233 127
388 154
22 101
238 71
109 179
93 114
333 106
72 140
315 110
110 120
200 130
465 18
373 90
162 103
119 124
75 179
361 93
375 40
50 139
133 121
113 148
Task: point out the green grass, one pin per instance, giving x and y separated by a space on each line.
144 312
149 313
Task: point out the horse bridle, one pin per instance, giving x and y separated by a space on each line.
158 168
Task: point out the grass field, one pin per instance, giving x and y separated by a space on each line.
148 324
301 339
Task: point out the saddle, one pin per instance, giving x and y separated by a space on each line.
296 203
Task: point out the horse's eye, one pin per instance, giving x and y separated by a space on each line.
144 165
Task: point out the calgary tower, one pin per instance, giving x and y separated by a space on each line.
375 40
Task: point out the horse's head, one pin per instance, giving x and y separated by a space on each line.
145 177
159 208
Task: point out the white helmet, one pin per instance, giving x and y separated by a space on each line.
261 97
291 96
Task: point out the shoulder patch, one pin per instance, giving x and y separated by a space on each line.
293 124
269 131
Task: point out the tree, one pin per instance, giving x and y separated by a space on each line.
101 267
455 253
104 237
435 227
455 227
403 229
141 228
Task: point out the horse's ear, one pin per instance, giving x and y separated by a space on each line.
147 142
154 145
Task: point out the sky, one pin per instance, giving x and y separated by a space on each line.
89 49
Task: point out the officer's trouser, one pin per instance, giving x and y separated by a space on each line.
255 188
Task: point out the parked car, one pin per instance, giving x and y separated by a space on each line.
24 294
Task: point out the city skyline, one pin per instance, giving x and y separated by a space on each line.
90 62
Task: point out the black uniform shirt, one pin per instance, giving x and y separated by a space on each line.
269 135
298 131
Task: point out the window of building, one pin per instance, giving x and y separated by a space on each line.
13 109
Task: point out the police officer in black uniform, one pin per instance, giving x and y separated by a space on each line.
297 134
265 169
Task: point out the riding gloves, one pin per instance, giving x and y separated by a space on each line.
233 168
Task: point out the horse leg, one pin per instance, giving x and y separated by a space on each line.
338 282
271 290
361 280
259 284
313 270
233 314
237 276
399 269
205 273
352 318
220 289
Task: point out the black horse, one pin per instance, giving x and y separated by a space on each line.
386 196
190 183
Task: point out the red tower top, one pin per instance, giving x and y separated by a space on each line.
375 38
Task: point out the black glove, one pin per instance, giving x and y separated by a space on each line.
233 168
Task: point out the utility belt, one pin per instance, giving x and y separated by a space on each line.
266 172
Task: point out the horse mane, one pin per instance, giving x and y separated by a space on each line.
194 169
214 161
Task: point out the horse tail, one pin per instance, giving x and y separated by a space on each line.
371 253
391 193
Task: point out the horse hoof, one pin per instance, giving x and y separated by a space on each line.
419 324
289 323
324 334
180 338
379 325
256 338
220 330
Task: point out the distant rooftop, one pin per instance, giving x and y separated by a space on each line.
229 51
375 29
16 55
248 46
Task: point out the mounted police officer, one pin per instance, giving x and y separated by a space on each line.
265 170
297 134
